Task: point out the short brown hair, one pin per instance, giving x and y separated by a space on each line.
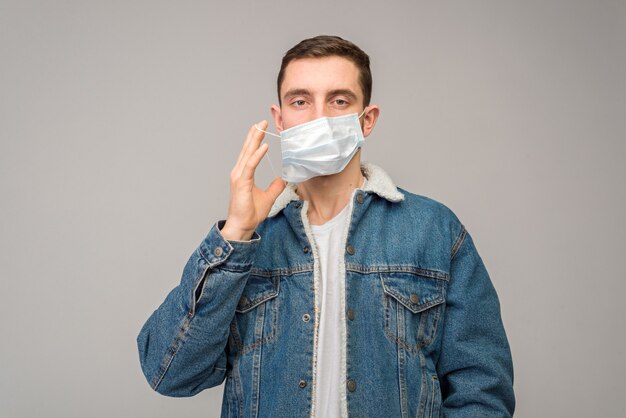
326 46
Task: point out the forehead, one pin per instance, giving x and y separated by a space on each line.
319 75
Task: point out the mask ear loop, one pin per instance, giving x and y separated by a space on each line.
269 133
268 149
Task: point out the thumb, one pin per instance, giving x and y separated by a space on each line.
276 188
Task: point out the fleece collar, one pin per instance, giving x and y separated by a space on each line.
378 181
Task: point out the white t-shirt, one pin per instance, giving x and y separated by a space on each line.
330 248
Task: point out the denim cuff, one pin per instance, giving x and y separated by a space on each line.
237 255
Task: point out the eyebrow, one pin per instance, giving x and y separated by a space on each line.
343 92
296 92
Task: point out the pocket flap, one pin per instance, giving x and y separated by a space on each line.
414 291
258 289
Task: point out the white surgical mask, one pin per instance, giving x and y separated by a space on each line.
320 147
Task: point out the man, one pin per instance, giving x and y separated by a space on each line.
337 293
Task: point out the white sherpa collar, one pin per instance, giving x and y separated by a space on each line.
378 181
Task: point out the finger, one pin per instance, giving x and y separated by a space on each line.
252 144
242 152
244 145
253 162
255 139
249 136
276 188
272 192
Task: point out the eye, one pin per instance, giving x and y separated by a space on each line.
298 103
341 102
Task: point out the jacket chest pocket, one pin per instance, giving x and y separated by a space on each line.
412 306
256 315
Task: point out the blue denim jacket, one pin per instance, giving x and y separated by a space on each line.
422 332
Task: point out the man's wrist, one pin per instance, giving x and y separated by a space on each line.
233 234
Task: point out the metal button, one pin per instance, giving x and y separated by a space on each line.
351 385
350 249
359 198
306 249
302 383
350 314
306 317
414 298
243 301
218 251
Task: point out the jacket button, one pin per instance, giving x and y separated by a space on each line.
306 317
350 249
351 385
359 198
302 383
217 251
305 249
414 298
350 314
243 301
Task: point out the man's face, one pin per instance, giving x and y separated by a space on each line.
316 87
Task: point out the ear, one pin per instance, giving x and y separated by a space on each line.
278 119
369 119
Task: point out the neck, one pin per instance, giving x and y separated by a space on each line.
328 195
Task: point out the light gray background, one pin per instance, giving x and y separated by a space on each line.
120 122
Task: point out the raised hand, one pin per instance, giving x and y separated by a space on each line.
249 205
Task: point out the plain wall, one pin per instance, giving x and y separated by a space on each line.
121 120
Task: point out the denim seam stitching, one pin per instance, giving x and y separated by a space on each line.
230 269
398 268
432 396
423 399
171 353
299 268
237 389
457 243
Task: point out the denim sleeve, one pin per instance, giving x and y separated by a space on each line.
475 367
182 345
